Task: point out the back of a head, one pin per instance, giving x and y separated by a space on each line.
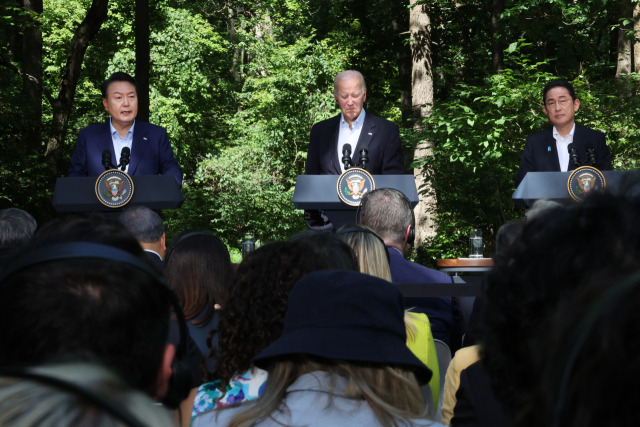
143 223
258 300
387 212
61 302
591 357
557 252
16 227
331 248
74 394
369 248
349 325
198 268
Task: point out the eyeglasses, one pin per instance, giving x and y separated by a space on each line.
561 102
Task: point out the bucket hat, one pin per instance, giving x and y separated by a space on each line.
345 315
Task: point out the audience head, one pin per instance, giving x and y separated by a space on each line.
352 325
591 357
198 268
74 394
369 248
254 314
558 252
143 223
508 234
82 290
146 226
16 227
388 212
333 249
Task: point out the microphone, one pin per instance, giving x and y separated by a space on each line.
346 156
106 159
124 157
364 158
574 154
591 155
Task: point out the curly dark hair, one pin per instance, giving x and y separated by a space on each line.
557 253
254 314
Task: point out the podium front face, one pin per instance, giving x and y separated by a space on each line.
77 194
553 186
319 192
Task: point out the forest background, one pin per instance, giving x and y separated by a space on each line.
238 85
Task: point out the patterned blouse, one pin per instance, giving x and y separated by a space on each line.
246 386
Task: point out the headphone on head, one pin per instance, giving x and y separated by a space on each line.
411 236
180 382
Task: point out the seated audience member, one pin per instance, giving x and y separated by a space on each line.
373 260
148 229
388 212
74 394
16 228
341 360
253 318
198 268
478 405
82 290
560 254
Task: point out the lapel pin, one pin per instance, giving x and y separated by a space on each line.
370 133
548 148
144 137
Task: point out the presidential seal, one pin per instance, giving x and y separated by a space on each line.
585 180
114 188
353 184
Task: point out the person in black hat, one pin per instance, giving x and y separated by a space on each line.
341 360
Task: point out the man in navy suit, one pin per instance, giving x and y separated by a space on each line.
150 150
356 127
548 150
388 212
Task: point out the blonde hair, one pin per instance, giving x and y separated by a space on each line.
392 393
373 260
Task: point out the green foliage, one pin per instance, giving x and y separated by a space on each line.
250 181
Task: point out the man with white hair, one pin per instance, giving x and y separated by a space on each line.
356 127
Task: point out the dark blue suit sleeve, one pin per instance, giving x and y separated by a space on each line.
79 158
168 163
393 161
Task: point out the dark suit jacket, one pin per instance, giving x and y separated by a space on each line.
541 155
439 310
380 136
151 152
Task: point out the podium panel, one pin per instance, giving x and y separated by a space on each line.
78 194
553 186
320 192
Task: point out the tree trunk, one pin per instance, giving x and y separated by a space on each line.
143 58
497 50
625 11
83 35
636 31
32 80
422 102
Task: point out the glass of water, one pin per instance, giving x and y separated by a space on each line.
475 243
